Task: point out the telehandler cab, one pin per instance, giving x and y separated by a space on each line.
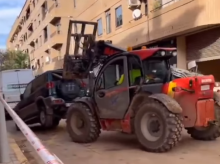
134 93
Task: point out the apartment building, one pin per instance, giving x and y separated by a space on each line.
190 25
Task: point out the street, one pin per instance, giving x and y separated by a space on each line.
115 147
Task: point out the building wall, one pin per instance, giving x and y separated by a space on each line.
174 19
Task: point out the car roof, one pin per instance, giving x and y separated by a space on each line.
146 53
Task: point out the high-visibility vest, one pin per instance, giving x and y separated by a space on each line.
133 75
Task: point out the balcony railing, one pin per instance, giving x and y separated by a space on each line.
51 7
54 33
43 16
55 59
158 4
45 40
29 35
32 51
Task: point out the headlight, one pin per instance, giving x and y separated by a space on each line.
174 53
205 87
163 53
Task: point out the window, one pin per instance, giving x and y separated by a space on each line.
40 40
46 33
27 91
118 14
146 7
39 82
113 75
108 21
155 71
58 25
74 3
135 71
35 24
100 31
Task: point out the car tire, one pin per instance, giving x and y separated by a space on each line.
46 120
82 124
209 133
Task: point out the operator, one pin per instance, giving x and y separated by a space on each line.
134 73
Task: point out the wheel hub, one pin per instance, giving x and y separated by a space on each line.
77 123
42 117
154 126
151 126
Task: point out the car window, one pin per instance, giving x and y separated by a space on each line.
39 81
27 91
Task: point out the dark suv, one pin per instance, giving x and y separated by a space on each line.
47 98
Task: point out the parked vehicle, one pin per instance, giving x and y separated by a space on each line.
46 98
13 83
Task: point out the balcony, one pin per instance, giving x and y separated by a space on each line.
57 38
183 16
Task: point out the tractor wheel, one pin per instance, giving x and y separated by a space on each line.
156 128
82 124
209 133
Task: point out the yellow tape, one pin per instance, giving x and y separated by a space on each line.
170 89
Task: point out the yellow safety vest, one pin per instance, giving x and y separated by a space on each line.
133 75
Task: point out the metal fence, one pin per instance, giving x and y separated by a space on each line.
46 156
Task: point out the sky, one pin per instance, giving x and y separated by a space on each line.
9 10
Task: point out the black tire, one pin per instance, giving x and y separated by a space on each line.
90 128
210 133
168 136
45 120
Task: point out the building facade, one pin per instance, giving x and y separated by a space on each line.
190 25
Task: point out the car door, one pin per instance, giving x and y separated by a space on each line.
30 110
112 99
23 108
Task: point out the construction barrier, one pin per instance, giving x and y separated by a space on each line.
45 155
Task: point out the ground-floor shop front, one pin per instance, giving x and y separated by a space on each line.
202 47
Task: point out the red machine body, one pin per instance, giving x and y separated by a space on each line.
194 94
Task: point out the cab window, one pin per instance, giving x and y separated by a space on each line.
135 70
113 75
156 71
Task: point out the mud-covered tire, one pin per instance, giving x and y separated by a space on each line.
210 133
171 127
45 120
90 130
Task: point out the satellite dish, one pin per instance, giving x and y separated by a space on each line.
136 14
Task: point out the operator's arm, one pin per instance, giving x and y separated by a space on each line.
120 81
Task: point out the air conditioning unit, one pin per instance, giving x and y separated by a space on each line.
134 3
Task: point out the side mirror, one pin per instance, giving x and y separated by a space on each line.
21 96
